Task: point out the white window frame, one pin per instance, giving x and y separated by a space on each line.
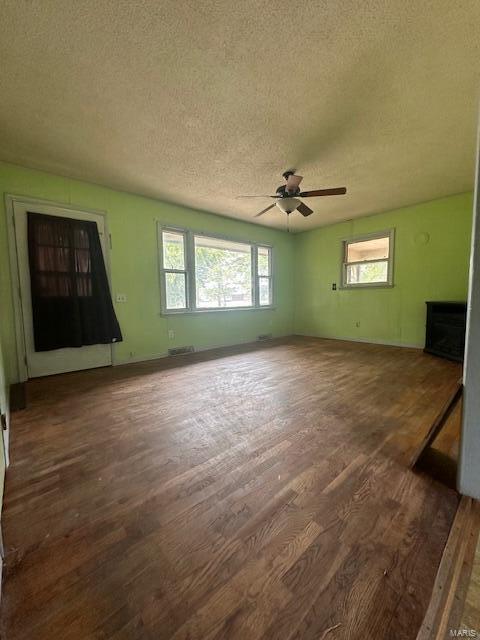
189 262
269 276
390 234
184 271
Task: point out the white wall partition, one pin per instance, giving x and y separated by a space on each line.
469 466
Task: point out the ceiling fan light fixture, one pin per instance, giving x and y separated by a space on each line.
287 205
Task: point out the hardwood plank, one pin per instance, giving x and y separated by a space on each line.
448 596
470 615
259 492
18 396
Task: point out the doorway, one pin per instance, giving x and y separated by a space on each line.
32 363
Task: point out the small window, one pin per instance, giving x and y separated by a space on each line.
264 276
368 261
174 270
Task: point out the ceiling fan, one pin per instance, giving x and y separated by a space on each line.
287 195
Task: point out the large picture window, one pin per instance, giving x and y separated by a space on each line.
202 273
368 261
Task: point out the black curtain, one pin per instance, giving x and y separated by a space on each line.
71 301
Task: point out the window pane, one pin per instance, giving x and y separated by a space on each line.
175 290
367 273
374 249
173 251
264 291
263 261
223 273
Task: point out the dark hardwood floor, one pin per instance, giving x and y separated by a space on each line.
244 493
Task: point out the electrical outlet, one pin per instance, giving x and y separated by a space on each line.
334 286
357 324
121 297
171 334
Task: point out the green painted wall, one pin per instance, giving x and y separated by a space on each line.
433 271
305 267
132 222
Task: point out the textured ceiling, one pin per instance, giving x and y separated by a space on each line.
197 102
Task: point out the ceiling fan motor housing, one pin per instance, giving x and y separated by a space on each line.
283 193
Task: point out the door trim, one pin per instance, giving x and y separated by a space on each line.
10 201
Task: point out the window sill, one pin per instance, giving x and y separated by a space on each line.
196 312
380 285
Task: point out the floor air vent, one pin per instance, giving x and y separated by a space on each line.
178 351
264 336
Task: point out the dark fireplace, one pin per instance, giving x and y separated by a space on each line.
446 322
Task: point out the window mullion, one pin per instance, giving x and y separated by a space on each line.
255 282
270 281
367 261
190 264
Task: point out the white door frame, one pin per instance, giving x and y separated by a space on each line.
10 201
468 475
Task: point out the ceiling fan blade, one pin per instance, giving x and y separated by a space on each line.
264 210
336 191
293 182
304 210
261 196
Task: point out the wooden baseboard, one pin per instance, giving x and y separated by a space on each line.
379 341
445 610
120 362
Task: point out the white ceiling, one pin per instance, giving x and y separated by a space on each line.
197 102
